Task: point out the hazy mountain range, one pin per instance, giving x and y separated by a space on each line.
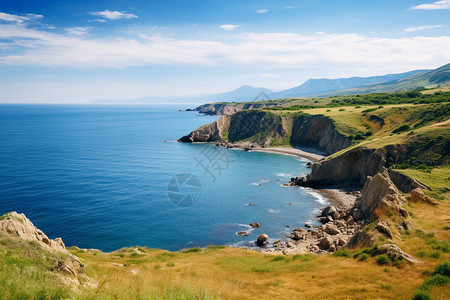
313 87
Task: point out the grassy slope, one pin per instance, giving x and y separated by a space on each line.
218 272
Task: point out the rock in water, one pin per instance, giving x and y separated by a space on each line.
255 225
262 240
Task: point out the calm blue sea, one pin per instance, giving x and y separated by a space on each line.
98 176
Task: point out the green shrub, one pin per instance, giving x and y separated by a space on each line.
193 250
401 129
342 253
278 258
342 109
443 269
436 280
170 264
421 295
363 257
382 260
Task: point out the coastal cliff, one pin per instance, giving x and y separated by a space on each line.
232 108
269 129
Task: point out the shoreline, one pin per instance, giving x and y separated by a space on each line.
343 199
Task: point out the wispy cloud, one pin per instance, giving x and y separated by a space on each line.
113 15
271 50
228 26
262 11
433 6
18 19
420 28
78 30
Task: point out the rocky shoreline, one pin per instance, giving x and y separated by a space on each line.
340 221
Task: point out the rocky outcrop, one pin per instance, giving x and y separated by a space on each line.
318 131
231 108
19 226
209 133
352 166
379 195
405 183
262 128
262 240
417 195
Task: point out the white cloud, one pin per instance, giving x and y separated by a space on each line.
113 15
78 30
18 19
271 50
433 6
420 28
98 20
262 11
228 26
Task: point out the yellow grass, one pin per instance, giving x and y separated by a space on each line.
243 274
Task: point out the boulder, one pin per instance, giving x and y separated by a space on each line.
394 251
242 233
255 225
417 195
299 233
331 229
262 240
383 227
330 211
308 225
325 243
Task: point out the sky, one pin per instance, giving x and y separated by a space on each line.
70 51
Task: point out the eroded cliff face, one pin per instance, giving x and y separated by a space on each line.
262 128
319 132
351 167
209 133
229 109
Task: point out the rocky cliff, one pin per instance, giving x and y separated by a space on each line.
319 132
231 108
71 270
351 167
264 128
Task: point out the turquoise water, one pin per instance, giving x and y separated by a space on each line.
98 176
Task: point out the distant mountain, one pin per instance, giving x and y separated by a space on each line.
244 93
427 79
315 87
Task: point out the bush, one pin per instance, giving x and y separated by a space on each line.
278 258
421 295
193 250
401 129
436 280
342 109
342 253
443 269
363 257
382 260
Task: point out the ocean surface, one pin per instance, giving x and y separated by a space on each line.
107 177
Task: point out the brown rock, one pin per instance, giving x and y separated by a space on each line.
262 240
242 233
384 228
255 225
331 229
417 195
325 243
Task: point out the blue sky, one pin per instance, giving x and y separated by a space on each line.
78 51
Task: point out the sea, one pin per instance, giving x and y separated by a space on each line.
107 177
